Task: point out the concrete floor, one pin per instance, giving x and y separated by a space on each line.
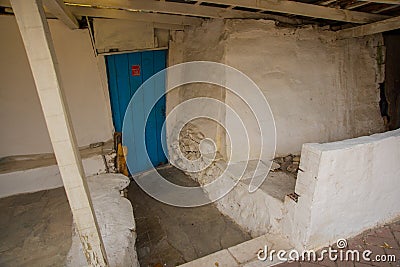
169 236
35 229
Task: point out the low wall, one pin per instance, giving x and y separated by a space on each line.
115 219
344 188
43 177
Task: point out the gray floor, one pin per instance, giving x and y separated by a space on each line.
35 229
168 236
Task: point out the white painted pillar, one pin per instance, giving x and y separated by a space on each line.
36 36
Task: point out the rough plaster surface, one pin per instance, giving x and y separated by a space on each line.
197 44
24 130
319 89
115 218
345 188
122 35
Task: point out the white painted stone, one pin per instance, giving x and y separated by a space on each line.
221 258
248 250
27 181
116 222
245 254
94 165
346 188
43 178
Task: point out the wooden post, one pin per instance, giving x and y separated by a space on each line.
36 36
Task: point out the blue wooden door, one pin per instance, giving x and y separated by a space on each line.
126 72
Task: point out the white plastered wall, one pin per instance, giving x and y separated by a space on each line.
23 128
319 89
344 188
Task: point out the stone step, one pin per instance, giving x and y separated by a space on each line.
261 211
244 254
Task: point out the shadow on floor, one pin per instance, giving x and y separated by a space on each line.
169 236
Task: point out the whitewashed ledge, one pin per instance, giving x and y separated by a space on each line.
244 254
115 218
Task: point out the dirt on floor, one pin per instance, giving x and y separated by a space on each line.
35 229
169 236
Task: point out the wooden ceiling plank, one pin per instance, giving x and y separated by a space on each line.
356 5
390 2
303 9
385 9
368 29
60 11
170 8
138 16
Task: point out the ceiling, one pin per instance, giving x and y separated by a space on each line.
385 8
337 14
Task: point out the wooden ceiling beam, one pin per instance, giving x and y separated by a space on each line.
190 10
60 11
161 19
368 29
169 8
390 2
303 9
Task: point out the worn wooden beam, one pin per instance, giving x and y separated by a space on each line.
169 8
60 11
162 19
111 8
368 29
390 2
303 9
282 6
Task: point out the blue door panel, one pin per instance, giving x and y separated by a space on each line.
151 135
160 106
123 85
112 80
124 95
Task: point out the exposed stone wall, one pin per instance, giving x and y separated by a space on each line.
202 156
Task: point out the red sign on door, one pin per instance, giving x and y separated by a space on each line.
135 70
